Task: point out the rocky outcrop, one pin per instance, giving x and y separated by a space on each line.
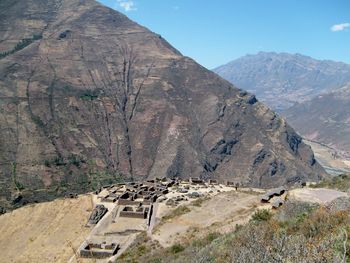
98 98
97 213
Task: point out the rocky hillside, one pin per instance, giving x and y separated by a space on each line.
325 119
281 79
88 97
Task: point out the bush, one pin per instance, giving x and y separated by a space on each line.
89 95
177 248
261 215
212 236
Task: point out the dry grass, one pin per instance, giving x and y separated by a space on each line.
180 210
199 201
44 232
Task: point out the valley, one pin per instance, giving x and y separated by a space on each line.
331 159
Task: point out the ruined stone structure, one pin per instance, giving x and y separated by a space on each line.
196 180
134 212
277 203
230 183
274 192
93 250
136 193
213 182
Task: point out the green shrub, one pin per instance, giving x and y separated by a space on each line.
177 248
38 121
75 160
212 236
89 95
261 215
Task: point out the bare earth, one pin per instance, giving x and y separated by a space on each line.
43 232
320 196
223 211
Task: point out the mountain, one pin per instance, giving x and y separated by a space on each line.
282 79
89 97
325 119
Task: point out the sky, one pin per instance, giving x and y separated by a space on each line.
216 32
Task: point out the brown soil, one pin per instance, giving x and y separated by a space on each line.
219 213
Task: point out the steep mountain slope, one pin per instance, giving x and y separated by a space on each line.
325 119
87 96
281 79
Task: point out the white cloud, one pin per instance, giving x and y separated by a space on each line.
340 27
127 5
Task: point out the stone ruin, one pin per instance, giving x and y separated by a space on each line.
213 182
270 197
196 180
136 201
97 214
276 203
98 250
230 183
135 212
272 193
135 193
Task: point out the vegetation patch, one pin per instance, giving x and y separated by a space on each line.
199 201
176 248
297 233
340 182
180 210
21 45
89 95
261 215
63 161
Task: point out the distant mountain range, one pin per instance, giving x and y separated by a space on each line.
281 79
325 118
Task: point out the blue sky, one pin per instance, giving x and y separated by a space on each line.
216 32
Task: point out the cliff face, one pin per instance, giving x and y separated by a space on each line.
86 96
281 79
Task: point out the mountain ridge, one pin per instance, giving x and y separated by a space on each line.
98 98
282 79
